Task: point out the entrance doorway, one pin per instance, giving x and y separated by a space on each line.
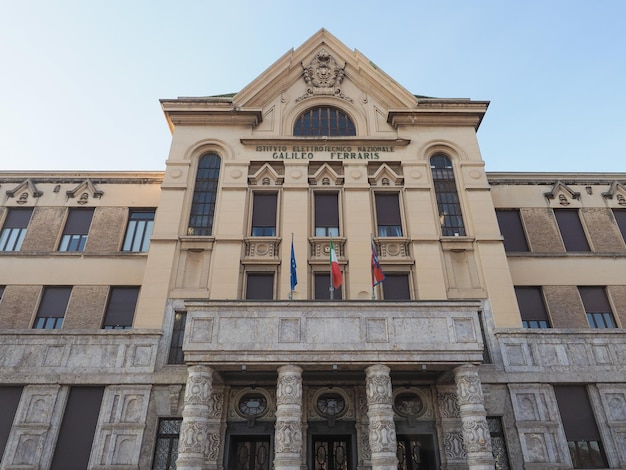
416 452
332 453
250 453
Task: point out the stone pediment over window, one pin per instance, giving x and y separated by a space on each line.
617 192
23 191
563 195
266 175
384 175
84 191
325 175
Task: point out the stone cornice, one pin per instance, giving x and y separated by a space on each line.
440 112
202 111
325 141
525 178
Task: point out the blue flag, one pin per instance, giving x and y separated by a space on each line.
294 274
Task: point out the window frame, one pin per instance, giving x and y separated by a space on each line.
532 307
176 355
76 230
303 125
620 219
572 230
388 212
52 307
323 228
203 204
445 178
512 230
172 439
392 275
261 224
597 307
258 274
139 229
122 308
321 274
13 228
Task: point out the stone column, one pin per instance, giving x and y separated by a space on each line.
476 437
194 430
288 432
382 429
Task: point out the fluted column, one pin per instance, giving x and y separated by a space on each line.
288 432
194 430
382 429
476 437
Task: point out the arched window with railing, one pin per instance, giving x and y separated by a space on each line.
204 195
324 121
448 204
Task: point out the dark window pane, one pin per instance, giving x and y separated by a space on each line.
120 311
448 203
532 307
205 191
324 121
326 214
576 413
77 428
176 355
510 223
52 307
322 287
396 287
14 229
76 230
597 307
10 399
260 286
264 215
571 230
388 215
620 217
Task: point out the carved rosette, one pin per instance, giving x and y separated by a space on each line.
288 427
382 429
474 427
194 431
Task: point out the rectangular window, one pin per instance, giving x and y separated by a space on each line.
52 308
597 307
579 424
264 215
120 311
14 229
260 286
10 399
76 230
532 307
498 442
326 214
322 287
139 231
511 228
571 229
166 449
396 286
178 334
620 218
77 428
388 215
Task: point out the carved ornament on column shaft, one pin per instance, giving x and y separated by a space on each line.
199 384
448 405
289 386
383 436
193 437
469 389
288 437
378 389
476 435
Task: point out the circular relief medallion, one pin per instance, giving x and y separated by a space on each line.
474 174
252 405
236 173
408 404
262 249
176 174
296 174
393 249
356 175
416 174
331 405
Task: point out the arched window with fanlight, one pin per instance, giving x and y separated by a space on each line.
324 121
204 195
448 204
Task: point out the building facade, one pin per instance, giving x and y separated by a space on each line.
185 318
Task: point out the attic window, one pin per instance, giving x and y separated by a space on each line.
323 121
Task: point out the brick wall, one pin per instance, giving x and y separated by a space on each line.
44 229
603 230
618 296
86 307
542 231
18 305
107 229
565 307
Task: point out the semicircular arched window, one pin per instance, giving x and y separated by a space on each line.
324 121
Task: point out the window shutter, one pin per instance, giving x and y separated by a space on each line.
121 306
78 221
512 230
54 302
576 413
264 210
388 209
326 210
18 218
531 303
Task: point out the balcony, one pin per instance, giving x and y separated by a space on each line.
441 334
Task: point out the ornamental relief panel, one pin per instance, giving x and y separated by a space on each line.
448 405
413 404
382 436
323 77
330 402
289 390
379 390
193 436
453 446
288 437
476 435
244 403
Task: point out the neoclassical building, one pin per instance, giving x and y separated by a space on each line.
186 318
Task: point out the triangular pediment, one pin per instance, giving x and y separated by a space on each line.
324 66
617 193
384 175
23 191
84 191
561 194
266 175
325 175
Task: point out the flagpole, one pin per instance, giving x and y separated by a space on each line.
331 288
290 270
372 270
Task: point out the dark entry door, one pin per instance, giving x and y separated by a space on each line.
332 453
250 453
416 453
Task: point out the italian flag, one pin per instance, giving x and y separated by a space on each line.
335 270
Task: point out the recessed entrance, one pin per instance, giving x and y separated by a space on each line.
250 453
416 452
332 453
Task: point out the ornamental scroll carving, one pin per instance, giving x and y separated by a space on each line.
323 76
476 435
379 390
198 390
382 436
288 437
289 390
453 446
469 389
193 437
448 406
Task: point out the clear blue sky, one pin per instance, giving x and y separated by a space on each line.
80 80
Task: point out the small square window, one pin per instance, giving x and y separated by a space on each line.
396 286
